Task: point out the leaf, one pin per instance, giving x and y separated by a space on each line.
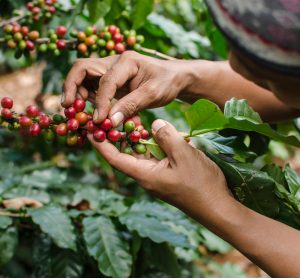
8 243
106 247
154 148
293 180
5 221
214 243
54 221
150 220
98 8
140 10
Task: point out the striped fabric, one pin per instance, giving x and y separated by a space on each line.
267 30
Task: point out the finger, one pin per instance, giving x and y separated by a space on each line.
110 82
169 140
83 92
123 162
129 105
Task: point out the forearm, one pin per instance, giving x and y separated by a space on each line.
270 244
217 82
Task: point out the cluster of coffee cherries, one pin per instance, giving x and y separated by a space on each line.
73 128
41 10
109 41
106 42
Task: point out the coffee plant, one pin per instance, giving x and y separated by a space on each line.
64 211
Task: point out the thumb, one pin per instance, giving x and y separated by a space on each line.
169 139
128 106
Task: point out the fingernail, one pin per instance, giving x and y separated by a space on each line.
63 98
157 125
117 118
95 115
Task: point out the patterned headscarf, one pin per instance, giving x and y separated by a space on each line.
267 30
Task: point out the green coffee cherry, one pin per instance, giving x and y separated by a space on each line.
128 150
140 148
129 126
58 119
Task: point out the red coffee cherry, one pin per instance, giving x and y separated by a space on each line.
82 48
118 38
81 117
112 29
30 6
139 127
16 28
7 102
106 124
24 30
6 113
35 130
81 36
110 45
30 45
70 112
144 134
79 104
44 121
134 136
32 111
73 124
35 10
131 40
120 48
99 135
61 45
25 121
80 140
91 127
61 30
89 41
61 129
114 135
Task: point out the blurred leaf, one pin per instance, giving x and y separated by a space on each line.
8 243
293 180
5 221
54 221
98 8
106 247
141 9
214 243
154 148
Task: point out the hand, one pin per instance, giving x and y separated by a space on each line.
138 81
186 178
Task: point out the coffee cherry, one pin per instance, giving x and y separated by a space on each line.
139 127
112 29
110 45
22 45
35 130
25 121
70 112
58 119
106 124
140 39
140 148
114 135
118 38
61 30
89 30
61 45
107 36
43 48
134 136
11 44
52 10
8 28
89 41
18 36
61 129
99 135
30 45
72 139
90 126
44 121
52 46
30 6
53 37
144 134
81 117
73 124
103 53
24 30
6 113
81 36
32 111
129 126
16 28
80 140
35 10
7 102
82 48
136 119
33 35
120 48
73 34
79 104
131 40
48 134
128 150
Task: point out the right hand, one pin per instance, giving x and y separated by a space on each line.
138 81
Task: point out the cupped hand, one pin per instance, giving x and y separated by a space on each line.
138 82
186 178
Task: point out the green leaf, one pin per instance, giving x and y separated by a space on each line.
8 243
5 221
293 180
106 247
154 148
214 243
141 9
150 220
54 221
98 9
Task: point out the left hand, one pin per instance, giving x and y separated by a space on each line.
186 178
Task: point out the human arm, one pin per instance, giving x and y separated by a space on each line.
141 82
205 197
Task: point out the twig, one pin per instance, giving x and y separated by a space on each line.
157 53
13 19
12 214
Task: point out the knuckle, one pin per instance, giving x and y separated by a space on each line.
163 134
130 107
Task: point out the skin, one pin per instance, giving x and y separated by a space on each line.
141 82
